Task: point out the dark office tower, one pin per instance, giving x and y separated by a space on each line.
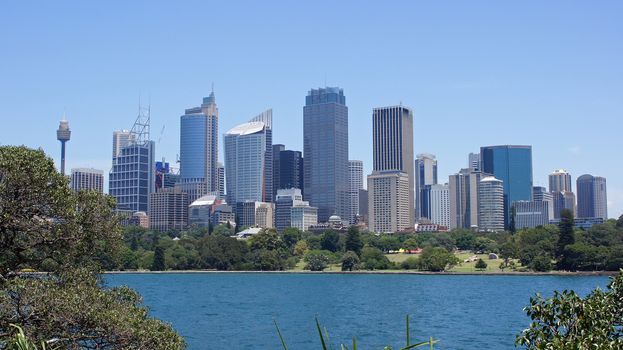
513 166
563 200
592 198
325 142
63 134
276 167
199 149
425 174
291 171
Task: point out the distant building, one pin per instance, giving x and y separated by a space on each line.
540 194
363 205
63 134
436 200
210 209
335 223
426 227
165 176
220 180
530 214
121 139
463 198
474 161
247 156
355 169
582 223
560 181
255 214
132 177
391 196
168 210
325 148
139 219
592 197
426 174
563 200
87 179
199 149
292 211
288 169
491 205
513 166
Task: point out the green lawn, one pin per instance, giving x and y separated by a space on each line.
492 265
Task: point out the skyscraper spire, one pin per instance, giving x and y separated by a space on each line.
63 134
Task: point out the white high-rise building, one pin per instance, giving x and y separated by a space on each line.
121 139
355 168
463 198
87 179
474 161
426 174
560 181
438 203
491 205
292 211
391 184
530 214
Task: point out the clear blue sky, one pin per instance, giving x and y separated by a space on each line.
544 73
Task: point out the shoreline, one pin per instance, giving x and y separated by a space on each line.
382 272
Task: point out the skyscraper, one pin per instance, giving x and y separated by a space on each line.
592 197
540 194
474 161
277 167
220 180
246 160
463 197
87 179
560 181
437 202
563 200
292 211
426 174
168 210
491 205
355 168
199 149
120 139
390 186
513 166
530 214
325 149
63 134
132 177
287 169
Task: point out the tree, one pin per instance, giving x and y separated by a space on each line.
210 227
330 241
290 236
373 259
222 253
568 322
620 222
317 262
350 261
565 238
480 264
159 263
353 240
541 263
46 226
513 225
436 259
300 248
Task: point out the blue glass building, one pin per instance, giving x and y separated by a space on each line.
199 149
325 149
512 165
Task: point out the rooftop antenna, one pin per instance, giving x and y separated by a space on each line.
141 126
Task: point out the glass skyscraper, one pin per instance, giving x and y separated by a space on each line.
132 178
592 197
325 150
246 161
513 166
199 149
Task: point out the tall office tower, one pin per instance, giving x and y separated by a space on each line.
530 214
247 156
426 174
277 168
355 169
63 134
255 214
463 198
363 205
266 117
132 177
474 161
120 139
168 210
540 194
199 149
287 169
325 149
391 184
513 166
564 200
87 179
560 181
437 202
292 211
220 180
491 205
592 197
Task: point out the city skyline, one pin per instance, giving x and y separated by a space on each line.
529 94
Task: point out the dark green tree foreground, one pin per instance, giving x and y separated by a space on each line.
44 226
568 322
